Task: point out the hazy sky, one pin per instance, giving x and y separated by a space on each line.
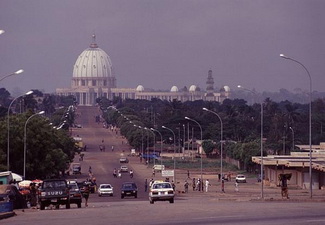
161 43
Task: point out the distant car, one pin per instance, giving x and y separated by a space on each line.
105 189
161 191
76 168
124 169
124 160
129 189
75 194
240 178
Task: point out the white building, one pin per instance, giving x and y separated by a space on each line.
93 77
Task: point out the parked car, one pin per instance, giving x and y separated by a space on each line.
161 191
124 169
129 189
105 189
10 193
124 160
75 194
240 178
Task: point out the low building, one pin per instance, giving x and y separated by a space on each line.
297 163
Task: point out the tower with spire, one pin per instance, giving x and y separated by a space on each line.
210 83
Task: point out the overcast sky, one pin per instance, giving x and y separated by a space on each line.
161 43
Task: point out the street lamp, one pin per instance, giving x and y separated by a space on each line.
187 118
14 73
310 99
161 144
293 138
262 166
25 131
154 143
174 149
221 138
8 125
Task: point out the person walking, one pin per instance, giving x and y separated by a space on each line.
236 186
193 184
188 174
207 184
223 185
85 194
186 187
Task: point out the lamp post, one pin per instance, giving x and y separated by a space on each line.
161 144
293 138
187 118
310 100
25 131
154 147
221 138
8 125
262 166
14 73
174 149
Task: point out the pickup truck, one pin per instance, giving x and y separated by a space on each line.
54 192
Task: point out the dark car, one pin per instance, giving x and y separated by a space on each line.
75 194
10 193
54 192
129 189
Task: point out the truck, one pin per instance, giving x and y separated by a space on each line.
54 192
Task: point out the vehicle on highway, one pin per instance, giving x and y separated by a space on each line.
54 192
124 169
105 189
76 168
161 191
158 167
129 189
124 160
240 178
75 193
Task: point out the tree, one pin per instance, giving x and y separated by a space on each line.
208 147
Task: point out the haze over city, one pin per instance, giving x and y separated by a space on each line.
159 44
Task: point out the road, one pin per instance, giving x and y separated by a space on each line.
195 207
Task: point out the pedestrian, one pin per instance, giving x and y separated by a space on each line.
188 174
112 148
198 185
145 185
89 170
207 184
193 184
219 176
153 173
186 186
85 194
115 173
236 186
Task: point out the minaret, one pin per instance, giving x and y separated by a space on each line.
210 83
94 45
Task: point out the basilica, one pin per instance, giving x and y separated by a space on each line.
93 77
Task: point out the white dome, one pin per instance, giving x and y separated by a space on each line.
140 88
227 88
192 88
93 62
174 89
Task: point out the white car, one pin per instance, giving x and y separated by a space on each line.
240 178
124 169
105 189
161 191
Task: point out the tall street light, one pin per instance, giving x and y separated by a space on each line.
310 100
25 134
14 73
161 144
293 138
154 145
262 166
174 150
221 138
187 118
8 126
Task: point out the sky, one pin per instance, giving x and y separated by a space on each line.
161 43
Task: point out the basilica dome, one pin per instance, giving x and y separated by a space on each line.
92 63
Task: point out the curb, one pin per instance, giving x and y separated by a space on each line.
7 215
